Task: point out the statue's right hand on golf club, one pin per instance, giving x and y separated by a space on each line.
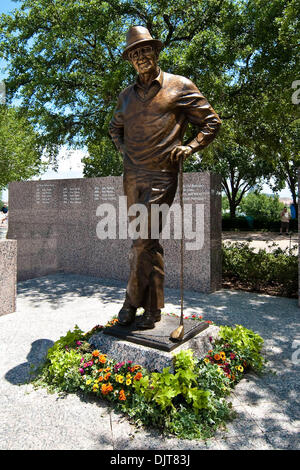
180 151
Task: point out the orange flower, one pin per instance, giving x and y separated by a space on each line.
210 351
138 376
96 353
100 379
122 396
107 369
106 388
102 358
134 368
106 377
217 357
100 370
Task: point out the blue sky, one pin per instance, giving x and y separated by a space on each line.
72 167
7 5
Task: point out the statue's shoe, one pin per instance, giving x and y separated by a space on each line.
126 315
148 319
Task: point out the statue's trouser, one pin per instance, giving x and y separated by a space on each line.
146 281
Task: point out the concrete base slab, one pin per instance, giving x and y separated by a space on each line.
159 336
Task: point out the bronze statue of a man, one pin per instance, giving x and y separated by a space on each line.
148 127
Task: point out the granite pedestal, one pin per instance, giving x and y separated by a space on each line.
8 276
150 358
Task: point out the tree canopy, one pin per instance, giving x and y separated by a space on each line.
20 153
65 66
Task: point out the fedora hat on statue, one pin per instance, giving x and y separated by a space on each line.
137 36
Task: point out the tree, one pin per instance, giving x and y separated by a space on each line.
65 64
103 160
20 154
239 168
287 163
262 207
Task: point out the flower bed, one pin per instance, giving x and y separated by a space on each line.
189 403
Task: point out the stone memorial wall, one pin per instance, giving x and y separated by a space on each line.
56 224
8 276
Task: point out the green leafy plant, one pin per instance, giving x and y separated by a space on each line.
66 341
62 370
189 402
245 341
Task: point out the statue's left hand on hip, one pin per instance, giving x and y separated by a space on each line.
181 151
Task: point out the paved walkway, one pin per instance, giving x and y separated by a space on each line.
267 407
264 240
3 230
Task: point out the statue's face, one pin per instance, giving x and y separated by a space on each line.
144 59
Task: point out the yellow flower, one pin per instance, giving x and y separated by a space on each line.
241 368
206 360
128 381
88 382
223 355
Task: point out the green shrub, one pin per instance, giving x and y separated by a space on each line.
245 341
263 208
262 268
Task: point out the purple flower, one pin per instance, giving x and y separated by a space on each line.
81 371
210 339
79 343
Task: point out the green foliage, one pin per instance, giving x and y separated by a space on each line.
20 154
246 342
66 341
258 269
66 68
210 378
189 403
238 166
261 207
165 386
190 400
103 160
62 370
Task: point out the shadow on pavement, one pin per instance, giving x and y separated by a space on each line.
23 373
59 289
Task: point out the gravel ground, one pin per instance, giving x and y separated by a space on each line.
267 407
261 240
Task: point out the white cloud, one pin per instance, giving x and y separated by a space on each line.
69 166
